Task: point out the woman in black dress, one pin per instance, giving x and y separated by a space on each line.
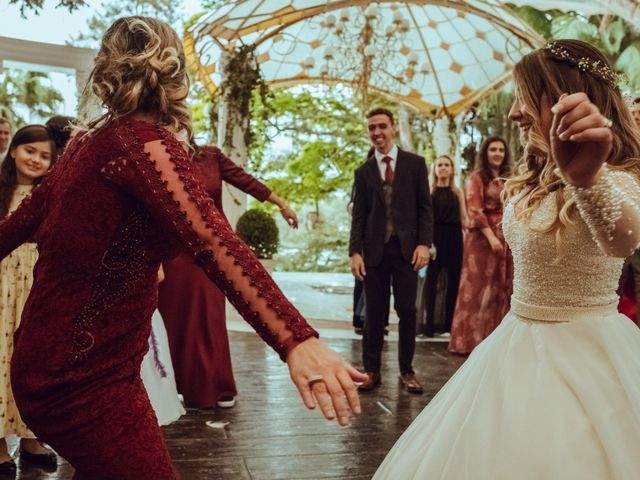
443 273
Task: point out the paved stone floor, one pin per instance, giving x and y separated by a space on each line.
271 436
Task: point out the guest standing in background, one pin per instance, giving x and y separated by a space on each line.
443 275
630 279
487 267
358 288
193 308
28 159
61 128
5 136
391 232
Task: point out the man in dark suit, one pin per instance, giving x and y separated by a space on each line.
391 231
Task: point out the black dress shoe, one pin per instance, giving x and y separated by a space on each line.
8 468
44 460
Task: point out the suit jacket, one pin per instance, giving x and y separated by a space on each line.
411 208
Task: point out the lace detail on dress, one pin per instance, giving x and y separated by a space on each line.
608 208
123 267
167 208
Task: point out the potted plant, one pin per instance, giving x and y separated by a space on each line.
259 231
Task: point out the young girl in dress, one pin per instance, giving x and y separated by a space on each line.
554 391
443 275
28 159
487 268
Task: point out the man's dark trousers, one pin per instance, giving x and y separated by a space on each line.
393 271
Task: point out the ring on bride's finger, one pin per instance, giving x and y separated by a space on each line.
608 122
313 379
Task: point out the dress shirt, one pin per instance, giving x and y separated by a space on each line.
393 153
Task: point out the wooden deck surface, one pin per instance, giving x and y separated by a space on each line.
270 435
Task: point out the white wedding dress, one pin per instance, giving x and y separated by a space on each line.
554 392
158 376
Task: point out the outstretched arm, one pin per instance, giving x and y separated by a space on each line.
21 225
158 172
239 178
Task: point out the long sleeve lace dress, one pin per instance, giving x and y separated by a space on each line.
116 205
554 391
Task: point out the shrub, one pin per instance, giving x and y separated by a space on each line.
259 231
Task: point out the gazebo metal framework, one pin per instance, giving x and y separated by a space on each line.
439 56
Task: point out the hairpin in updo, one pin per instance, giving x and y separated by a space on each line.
597 68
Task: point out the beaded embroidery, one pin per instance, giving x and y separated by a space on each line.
157 190
601 205
122 269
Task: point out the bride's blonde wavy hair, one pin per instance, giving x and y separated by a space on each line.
140 67
543 73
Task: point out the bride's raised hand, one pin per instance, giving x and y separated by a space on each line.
580 138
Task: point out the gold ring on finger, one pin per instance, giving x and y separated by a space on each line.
314 379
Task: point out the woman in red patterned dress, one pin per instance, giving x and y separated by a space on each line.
487 267
193 308
122 199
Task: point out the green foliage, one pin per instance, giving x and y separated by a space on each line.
320 244
37 5
242 80
629 62
26 89
210 5
328 141
166 10
611 34
259 231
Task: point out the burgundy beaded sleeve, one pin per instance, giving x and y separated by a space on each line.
158 171
21 225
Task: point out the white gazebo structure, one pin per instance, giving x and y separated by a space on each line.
37 56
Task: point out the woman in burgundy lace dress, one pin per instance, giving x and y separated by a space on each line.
193 308
122 199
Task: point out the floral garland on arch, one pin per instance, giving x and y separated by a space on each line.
241 78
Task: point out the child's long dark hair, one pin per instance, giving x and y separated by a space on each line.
8 175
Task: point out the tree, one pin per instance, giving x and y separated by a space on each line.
611 34
20 88
327 135
36 5
166 10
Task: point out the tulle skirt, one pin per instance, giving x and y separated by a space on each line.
556 398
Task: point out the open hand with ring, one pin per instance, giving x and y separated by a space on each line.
324 379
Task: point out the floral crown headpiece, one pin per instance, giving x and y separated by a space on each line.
585 64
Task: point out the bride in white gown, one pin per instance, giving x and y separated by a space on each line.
554 392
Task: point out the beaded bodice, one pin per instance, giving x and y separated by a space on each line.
578 274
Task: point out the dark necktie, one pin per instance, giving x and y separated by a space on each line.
388 173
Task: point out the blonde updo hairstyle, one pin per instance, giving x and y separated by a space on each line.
541 73
140 67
